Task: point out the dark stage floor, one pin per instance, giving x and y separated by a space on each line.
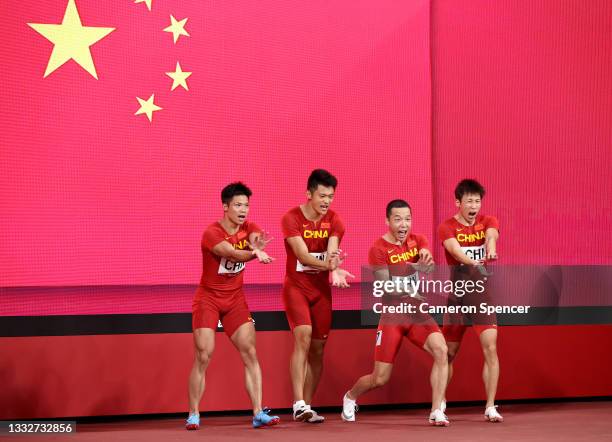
567 421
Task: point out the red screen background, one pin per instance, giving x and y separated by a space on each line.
92 195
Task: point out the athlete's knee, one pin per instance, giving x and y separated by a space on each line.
302 341
440 352
249 353
452 353
203 357
489 349
316 352
378 380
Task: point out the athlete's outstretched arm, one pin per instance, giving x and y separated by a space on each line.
454 248
225 250
300 249
381 273
491 237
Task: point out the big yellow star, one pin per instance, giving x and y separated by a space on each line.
71 40
179 77
147 107
177 28
146 2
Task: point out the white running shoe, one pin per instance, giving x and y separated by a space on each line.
316 417
349 407
443 406
438 418
492 415
301 411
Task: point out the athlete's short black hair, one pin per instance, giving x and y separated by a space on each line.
234 189
397 204
469 186
322 177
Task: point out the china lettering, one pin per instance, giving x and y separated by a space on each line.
315 234
403 257
462 237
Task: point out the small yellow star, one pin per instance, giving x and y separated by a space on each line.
179 77
146 2
147 107
177 28
71 40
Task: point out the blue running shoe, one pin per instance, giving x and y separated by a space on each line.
193 422
262 419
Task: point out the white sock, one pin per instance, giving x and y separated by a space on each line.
298 404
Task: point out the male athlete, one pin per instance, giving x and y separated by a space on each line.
470 239
226 247
397 255
312 237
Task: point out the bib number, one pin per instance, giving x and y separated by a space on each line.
302 268
476 253
229 267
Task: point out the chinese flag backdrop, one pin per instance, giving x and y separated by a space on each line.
91 194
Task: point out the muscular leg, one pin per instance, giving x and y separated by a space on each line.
244 341
490 371
314 368
379 377
453 349
204 345
298 365
436 346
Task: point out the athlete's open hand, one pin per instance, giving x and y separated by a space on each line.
262 256
261 241
339 278
425 263
491 254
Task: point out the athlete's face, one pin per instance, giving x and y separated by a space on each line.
237 209
469 206
321 198
400 223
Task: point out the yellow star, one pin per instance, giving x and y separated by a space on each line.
147 107
71 40
177 28
179 77
146 2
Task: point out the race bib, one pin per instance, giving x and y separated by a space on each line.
476 253
229 267
302 268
